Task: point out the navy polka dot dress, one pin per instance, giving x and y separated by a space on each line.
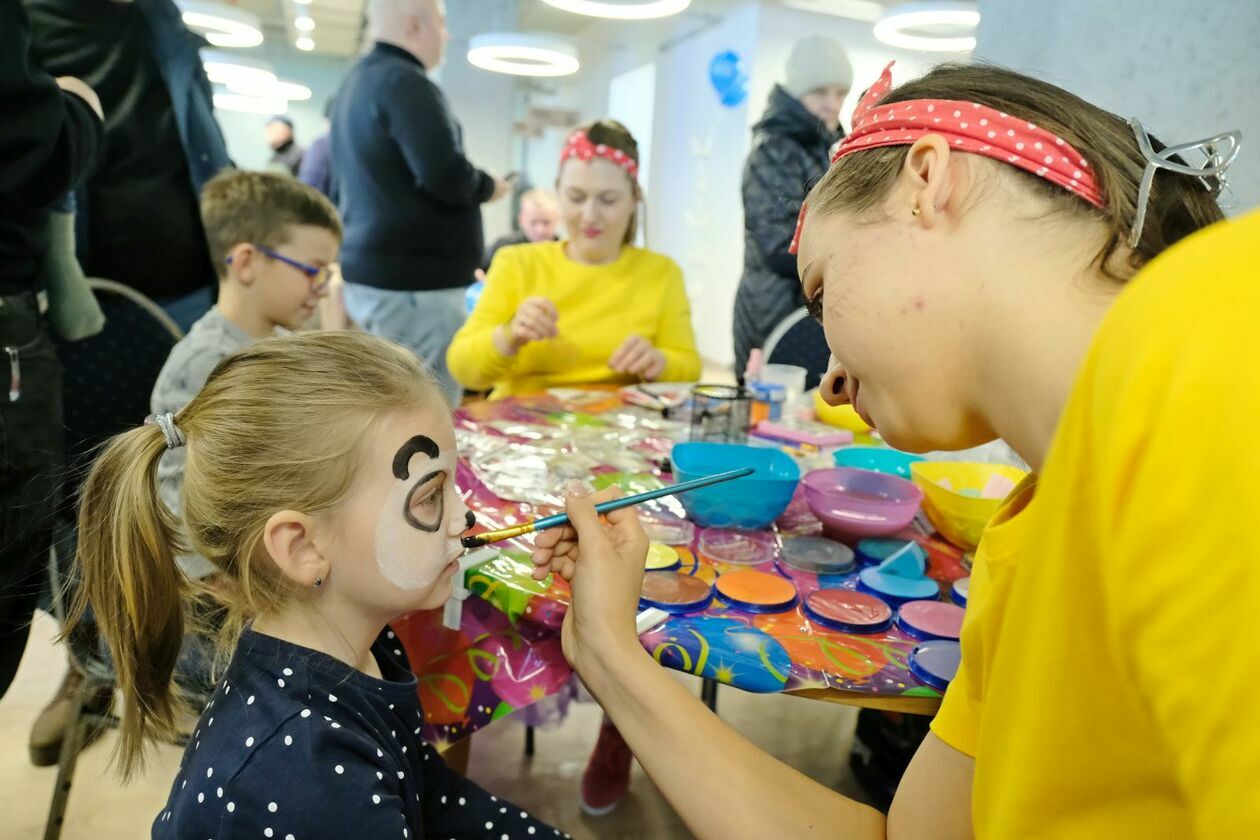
295 745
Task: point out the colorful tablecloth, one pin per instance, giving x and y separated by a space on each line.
517 456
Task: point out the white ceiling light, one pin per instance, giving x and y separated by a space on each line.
302 2
621 9
221 24
304 24
250 104
225 69
867 11
304 44
523 54
938 26
288 91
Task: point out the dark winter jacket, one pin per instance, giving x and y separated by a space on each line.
789 154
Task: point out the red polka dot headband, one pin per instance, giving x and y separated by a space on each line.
969 127
580 146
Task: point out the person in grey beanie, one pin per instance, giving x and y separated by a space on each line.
789 153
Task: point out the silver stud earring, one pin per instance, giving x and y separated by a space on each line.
319 582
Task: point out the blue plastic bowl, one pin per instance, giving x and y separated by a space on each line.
877 459
751 502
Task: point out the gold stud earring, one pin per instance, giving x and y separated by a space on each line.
914 211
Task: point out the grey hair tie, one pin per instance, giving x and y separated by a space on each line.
166 422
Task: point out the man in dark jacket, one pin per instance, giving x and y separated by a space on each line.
790 152
53 134
138 217
410 199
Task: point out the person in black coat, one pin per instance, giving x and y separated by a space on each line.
790 151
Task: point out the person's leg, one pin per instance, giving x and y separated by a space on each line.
607 775
31 447
187 310
426 322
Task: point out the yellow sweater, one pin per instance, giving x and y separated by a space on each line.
600 306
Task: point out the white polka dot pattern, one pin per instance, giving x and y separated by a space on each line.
579 146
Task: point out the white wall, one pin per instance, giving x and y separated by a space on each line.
1186 70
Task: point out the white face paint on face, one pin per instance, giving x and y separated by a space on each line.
414 546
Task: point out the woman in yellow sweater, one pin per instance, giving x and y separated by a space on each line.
592 308
994 257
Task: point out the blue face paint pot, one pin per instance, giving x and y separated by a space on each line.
894 590
935 662
958 592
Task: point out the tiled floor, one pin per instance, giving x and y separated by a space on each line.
811 736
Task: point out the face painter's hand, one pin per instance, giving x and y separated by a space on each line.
637 357
535 320
603 560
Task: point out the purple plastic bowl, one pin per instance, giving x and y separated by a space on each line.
861 503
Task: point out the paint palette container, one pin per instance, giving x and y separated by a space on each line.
848 611
874 551
926 620
859 503
666 529
755 592
894 590
661 558
909 562
935 662
674 593
816 555
958 592
736 547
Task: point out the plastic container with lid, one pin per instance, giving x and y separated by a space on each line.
674 593
935 662
925 620
848 611
894 590
755 592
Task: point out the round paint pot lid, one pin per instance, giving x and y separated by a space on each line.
930 620
878 549
958 592
736 547
663 528
935 662
756 592
674 593
817 555
848 611
661 558
899 588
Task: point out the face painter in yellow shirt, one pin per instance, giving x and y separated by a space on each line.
590 309
1109 664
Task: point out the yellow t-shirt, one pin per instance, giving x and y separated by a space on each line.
600 306
1111 661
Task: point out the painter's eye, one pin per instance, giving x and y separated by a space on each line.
814 306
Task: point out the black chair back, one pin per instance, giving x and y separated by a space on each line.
799 340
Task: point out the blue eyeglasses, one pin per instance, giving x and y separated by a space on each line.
319 276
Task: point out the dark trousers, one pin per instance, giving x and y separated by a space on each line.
31 451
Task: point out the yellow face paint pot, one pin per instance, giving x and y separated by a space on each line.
661 558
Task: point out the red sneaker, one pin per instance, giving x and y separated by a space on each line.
607 775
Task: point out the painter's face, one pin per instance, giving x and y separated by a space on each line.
278 133
825 103
539 220
398 536
286 294
597 201
893 305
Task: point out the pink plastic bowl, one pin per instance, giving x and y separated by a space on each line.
861 503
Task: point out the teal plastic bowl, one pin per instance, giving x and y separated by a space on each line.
879 459
754 501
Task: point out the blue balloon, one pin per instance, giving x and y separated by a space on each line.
726 72
473 294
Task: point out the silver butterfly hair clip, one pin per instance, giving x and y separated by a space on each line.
1219 152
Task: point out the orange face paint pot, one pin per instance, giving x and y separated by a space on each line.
755 592
674 593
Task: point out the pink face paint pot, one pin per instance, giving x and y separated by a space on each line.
816 555
661 558
935 662
674 593
848 611
894 590
924 620
958 592
735 547
755 592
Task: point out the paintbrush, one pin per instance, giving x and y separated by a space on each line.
559 519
